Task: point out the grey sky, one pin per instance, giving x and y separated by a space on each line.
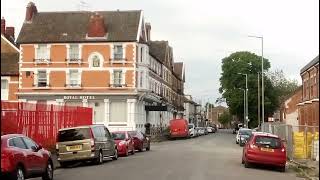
203 32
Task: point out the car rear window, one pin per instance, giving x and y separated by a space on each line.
268 142
74 134
118 136
245 132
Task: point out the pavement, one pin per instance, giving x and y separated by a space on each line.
211 157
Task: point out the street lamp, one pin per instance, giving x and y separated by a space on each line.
244 103
246 119
262 72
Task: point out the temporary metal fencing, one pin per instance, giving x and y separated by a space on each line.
41 122
302 142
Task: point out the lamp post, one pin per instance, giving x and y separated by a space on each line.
244 103
246 118
262 72
259 100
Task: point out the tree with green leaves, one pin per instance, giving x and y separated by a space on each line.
225 118
283 86
232 82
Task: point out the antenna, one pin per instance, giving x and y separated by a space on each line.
83 5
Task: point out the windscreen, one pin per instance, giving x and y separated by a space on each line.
74 134
118 136
245 132
268 142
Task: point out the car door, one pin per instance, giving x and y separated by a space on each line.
29 161
104 141
36 154
110 142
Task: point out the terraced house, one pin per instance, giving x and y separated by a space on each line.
99 60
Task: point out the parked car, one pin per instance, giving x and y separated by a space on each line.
22 158
264 148
214 128
124 143
200 130
192 130
85 143
209 129
141 141
205 130
179 128
244 134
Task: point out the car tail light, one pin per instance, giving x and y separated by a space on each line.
253 146
91 140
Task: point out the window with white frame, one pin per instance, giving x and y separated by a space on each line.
95 61
42 52
42 78
118 52
118 111
74 78
117 78
4 89
74 53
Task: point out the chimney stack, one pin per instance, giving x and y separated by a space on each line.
3 26
148 29
31 11
10 32
96 26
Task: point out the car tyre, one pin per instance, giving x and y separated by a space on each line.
127 152
237 142
247 164
282 169
48 174
133 151
115 156
99 159
19 174
148 148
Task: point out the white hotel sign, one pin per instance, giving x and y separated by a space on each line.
78 97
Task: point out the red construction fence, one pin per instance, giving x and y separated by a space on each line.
41 122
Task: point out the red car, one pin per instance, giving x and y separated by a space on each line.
141 141
22 158
264 148
124 143
179 128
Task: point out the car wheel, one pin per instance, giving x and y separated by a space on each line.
247 164
19 174
133 151
237 142
99 159
127 152
148 148
282 169
115 156
48 174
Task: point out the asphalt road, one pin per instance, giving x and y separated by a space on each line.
212 157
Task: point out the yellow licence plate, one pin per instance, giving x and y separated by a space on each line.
267 149
74 148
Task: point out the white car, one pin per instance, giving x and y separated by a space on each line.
237 137
192 130
209 129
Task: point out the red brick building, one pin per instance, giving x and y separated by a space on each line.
9 64
104 60
309 106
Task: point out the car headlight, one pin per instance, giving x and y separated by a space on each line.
241 138
122 143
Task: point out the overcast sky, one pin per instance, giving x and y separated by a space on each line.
202 32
